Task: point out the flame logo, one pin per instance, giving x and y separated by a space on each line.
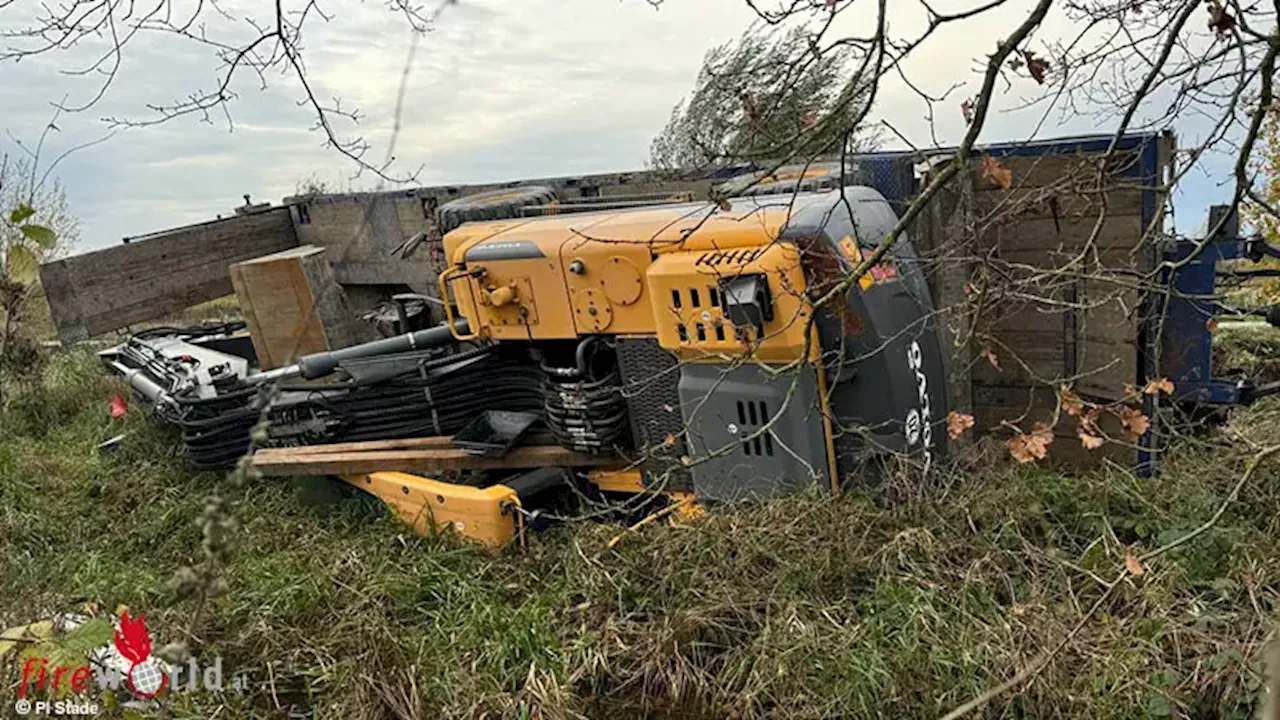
134 643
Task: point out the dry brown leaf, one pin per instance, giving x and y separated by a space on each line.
1159 385
966 108
996 173
1089 421
724 204
1071 402
1038 67
1135 424
990 354
1134 566
958 423
1211 325
670 441
1130 390
1029 447
1220 20
1089 440
1088 432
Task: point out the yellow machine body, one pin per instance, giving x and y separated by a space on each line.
489 516
732 380
651 272
485 515
638 272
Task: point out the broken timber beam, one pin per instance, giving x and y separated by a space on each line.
149 278
413 455
294 307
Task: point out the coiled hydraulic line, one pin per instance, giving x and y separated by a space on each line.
216 431
435 396
584 405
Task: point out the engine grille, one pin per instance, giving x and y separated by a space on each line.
650 382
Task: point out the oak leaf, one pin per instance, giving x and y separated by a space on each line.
996 173
1134 423
1221 20
988 353
1134 566
1071 402
1089 421
1089 440
1159 385
1037 66
958 423
1029 447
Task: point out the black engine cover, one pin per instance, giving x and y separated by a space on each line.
885 366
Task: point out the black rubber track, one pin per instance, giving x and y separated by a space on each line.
493 205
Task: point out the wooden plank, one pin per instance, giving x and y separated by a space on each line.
1030 357
422 460
1057 169
412 272
1117 232
1058 201
1106 368
294 306
1044 358
435 441
1108 332
145 279
1119 263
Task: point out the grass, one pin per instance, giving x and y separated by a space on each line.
809 607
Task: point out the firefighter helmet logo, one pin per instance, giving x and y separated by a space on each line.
145 677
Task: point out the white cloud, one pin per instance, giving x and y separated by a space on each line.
500 90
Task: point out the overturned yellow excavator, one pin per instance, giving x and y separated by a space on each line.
676 353
683 343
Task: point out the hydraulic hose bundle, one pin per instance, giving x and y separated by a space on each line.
417 384
394 388
195 387
215 431
584 405
404 395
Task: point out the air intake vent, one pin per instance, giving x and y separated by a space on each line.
753 415
732 257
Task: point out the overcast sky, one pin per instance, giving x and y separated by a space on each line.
498 91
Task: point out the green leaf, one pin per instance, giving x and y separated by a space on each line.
1158 706
21 213
20 265
40 235
92 634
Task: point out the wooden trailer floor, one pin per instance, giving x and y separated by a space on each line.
428 454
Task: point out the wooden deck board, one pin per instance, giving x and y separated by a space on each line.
430 454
